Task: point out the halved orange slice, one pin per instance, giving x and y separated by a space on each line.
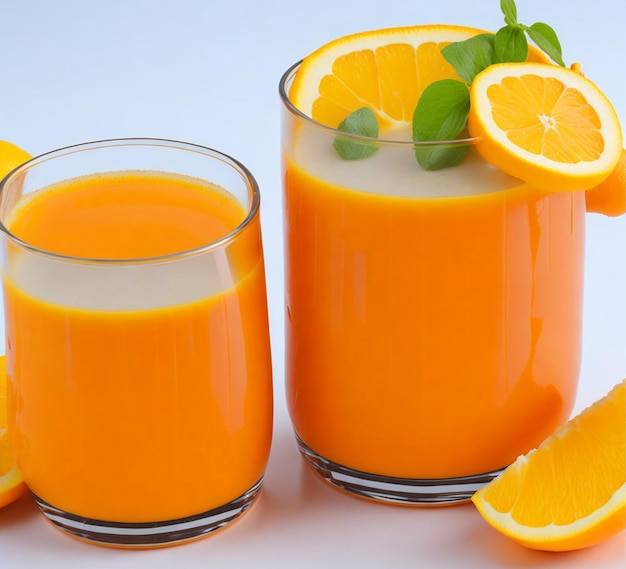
544 124
570 492
385 70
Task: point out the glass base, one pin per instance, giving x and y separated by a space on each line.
391 490
149 534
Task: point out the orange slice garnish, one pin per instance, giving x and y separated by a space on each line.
544 124
385 70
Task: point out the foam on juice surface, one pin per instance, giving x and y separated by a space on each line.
393 170
117 287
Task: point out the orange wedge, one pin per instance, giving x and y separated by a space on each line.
609 197
11 482
384 70
570 492
544 124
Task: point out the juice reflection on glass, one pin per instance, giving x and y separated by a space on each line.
140 398
433 319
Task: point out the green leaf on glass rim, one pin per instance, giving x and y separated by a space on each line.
510 11
361 122
433 157
510 45
469 57
440 115
546 39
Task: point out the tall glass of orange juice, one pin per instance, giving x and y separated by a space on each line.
138 362
433 317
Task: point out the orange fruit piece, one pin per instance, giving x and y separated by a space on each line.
12 484
609 197
11 156
570 492
385 70
547 125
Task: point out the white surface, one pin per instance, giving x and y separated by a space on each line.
207 73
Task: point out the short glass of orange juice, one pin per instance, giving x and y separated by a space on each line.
138 359
433 318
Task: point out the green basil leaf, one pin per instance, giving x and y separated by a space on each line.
361 122
510 11
471 56
510 45
546 39
440 115
431 157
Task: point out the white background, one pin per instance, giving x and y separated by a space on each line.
207 73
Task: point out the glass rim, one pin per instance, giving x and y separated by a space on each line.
248 178
293 110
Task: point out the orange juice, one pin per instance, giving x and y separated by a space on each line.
138 391
433 320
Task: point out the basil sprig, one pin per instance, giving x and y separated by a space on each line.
442 110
